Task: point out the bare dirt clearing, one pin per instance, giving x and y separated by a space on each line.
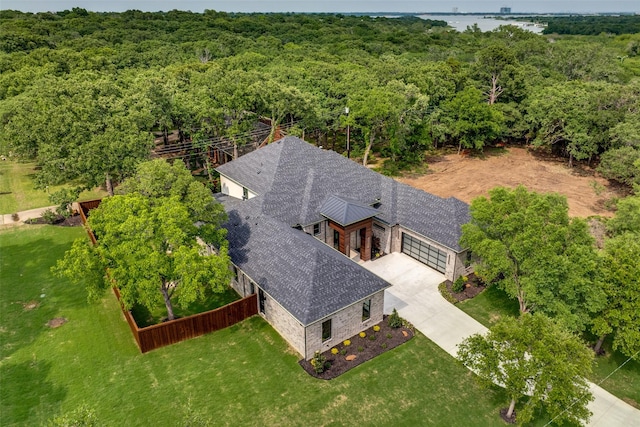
56 322
469 177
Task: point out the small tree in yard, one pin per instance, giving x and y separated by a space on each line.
535 360
152 241
64 199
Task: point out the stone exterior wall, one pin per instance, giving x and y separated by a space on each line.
282 321
383 232
323 235
344 324
242 283
232 188
459 268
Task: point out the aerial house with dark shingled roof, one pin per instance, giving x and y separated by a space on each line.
301 219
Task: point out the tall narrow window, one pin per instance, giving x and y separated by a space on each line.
261 300
366 310
245 193
252 288
235 273
316 229
326 330
336 240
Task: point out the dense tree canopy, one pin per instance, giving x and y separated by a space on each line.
592 25
618 276
81 92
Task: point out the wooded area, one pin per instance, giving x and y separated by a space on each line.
81 92
592 25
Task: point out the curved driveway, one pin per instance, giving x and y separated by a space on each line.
416 297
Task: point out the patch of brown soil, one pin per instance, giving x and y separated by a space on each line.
503 415
631 402
30 305
467 177
363 349
56 322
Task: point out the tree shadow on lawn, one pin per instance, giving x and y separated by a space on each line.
29 294
212 300
490 305
26 394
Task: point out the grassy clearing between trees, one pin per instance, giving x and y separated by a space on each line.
242 375
18 192
492 304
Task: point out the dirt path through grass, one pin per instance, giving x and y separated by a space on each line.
469 177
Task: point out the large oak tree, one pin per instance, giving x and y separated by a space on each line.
161 242
529 247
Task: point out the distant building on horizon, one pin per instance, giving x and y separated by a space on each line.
505 10
455 10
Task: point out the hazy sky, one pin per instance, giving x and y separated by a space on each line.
517 6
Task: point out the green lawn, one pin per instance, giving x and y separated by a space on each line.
243 375
18 193
489 306
493 303
145 317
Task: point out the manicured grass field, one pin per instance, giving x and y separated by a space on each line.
18 193
489 306
493 303
243 375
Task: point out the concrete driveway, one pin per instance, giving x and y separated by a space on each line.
416 297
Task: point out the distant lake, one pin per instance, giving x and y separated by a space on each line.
461 22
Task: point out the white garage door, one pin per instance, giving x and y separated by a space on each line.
424 252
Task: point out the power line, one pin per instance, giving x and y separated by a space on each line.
216 142
598 384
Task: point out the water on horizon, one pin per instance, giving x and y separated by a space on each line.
461 22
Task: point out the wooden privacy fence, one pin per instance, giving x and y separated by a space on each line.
174 331
85 207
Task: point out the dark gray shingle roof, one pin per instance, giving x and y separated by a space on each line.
293 179
308 278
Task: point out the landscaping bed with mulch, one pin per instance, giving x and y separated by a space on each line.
70 221
473 286
360 349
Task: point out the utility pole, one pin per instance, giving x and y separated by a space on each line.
346 111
